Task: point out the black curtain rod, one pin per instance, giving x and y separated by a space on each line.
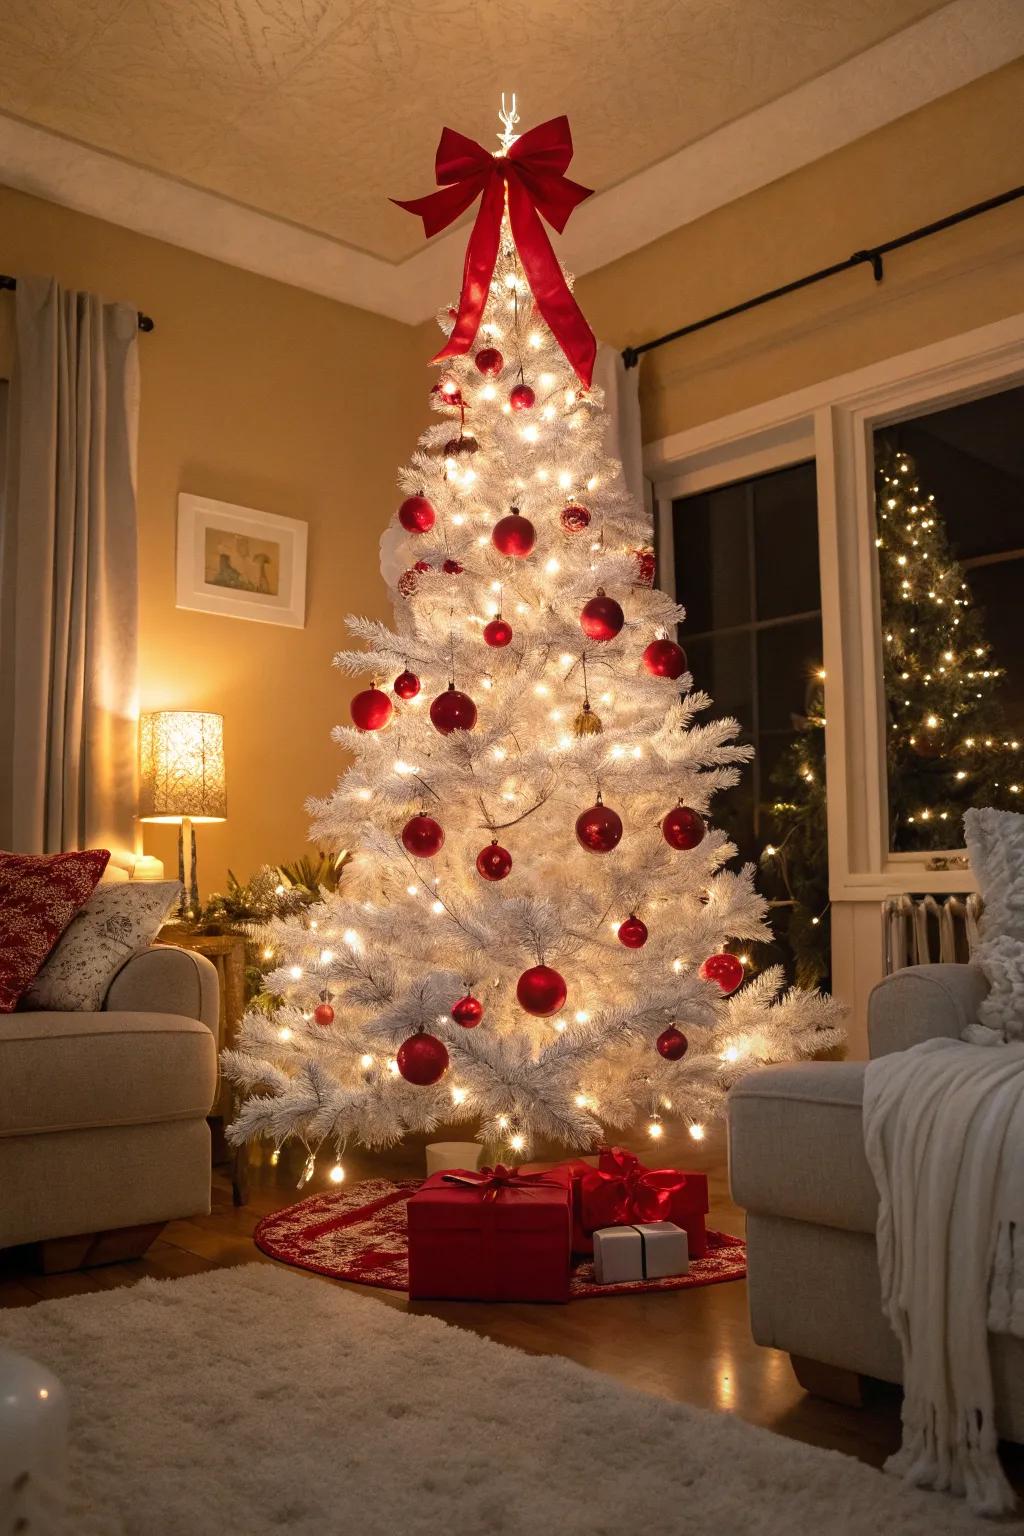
873 255
146 322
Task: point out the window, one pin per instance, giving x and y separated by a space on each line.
949 506
746 570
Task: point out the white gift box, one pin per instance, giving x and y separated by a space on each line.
652 1250
442 1155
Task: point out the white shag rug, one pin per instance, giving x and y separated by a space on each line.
263 1401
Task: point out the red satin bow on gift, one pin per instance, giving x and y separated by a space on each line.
491 1181
533 172
626 1192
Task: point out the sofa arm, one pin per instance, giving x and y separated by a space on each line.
167 980
923 1002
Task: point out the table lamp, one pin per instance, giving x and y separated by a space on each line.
181 779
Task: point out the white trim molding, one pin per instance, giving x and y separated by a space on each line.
940 53
833 423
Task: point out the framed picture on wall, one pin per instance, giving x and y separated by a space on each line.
240 562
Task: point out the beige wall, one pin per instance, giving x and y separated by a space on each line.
257 393
961 149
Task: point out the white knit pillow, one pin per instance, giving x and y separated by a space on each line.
118 919
995 842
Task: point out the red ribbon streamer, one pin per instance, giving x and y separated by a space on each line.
533 174
622 1191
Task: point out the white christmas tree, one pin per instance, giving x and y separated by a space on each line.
531 934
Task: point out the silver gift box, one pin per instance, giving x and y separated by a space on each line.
651 1250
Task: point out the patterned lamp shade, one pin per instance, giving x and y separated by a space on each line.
181 766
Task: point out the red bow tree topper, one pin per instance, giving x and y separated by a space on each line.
533 174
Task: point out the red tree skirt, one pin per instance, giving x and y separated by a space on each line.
360 1234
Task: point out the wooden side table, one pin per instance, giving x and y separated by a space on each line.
227 952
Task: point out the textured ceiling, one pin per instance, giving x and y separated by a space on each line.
316 110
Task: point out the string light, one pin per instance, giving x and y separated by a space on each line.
337 1174
696 1132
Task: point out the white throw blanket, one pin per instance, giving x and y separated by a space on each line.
944 1135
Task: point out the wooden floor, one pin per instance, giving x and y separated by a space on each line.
693 1346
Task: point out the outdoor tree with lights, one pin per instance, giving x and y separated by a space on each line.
530 936
947 744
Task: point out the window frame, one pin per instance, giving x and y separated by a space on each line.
833 422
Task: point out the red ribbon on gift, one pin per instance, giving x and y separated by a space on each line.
532 173
491 1181
623 1192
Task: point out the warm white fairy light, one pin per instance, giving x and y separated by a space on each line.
284 1034
696 1132
337 1174
295 972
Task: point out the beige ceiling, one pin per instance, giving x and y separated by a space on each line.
316 111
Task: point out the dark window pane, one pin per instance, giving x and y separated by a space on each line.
950 502
786 541
712 557
746 560
788 663
722 666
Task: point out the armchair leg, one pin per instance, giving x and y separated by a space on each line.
829 1381
59 1254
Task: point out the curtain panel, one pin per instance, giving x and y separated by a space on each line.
69 575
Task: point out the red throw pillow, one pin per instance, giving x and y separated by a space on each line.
39 895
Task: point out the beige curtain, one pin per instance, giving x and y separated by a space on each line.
69 575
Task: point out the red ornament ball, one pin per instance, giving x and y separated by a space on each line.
423 836
489 360
371 710
323 1013
522 398
644 567
574 519
493 862
725 969
498 633
541 991
602 618
633 933
416 515
422 1059
407 685
663 658
453 711
456 445
468 1011
599 829
672 1044
514 535
683 828
407 581
452 568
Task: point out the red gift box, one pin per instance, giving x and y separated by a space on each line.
493 1235
621 1192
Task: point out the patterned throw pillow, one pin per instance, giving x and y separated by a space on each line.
995 841
39 895
115 922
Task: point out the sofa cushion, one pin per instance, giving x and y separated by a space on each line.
796 1147
117 921
65 1071
39 895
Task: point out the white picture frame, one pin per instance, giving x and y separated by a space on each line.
240 562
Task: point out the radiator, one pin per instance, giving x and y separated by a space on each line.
920 930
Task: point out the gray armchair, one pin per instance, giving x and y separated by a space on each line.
103 1133
797 1166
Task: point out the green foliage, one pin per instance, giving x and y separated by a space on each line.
275 890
